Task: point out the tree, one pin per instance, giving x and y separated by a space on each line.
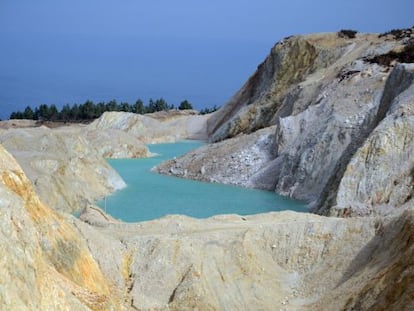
125 107
139 107
151 106
161 104
28 113
112 106
100 108
65 113
209 110
87 110
185 104
43 113
16 115
53 113
74 113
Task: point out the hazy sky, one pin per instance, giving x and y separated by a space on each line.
55 51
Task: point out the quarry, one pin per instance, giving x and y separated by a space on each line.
326 118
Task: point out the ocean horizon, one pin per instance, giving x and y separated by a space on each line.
72 69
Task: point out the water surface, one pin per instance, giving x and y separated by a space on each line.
149 195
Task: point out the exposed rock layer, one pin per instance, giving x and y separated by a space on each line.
45 263
234 161
157 127
67 164
66 169
286 260
380 174
327 104
341 137
289 80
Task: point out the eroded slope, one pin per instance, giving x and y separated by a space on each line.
45 263
285 260
337 103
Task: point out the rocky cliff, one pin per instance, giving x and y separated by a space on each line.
282 261
290 80
45 263
332 101
156 127
67 164
380 173
234 161
325 118
66 169
177 263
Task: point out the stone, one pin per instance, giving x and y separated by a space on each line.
321 120
66 164
289 79
63 165
298 260
45 263
156 127
317 121
253 151
380 173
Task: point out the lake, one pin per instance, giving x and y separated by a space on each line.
150 195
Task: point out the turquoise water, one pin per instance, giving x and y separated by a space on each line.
149 195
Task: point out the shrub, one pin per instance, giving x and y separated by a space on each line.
185 104
404 56
397 34
347 33
209 110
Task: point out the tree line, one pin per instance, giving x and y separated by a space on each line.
90 110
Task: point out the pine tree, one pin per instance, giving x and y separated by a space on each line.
185 104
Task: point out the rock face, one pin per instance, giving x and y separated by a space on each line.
380 173
286 260
328 102
116 144
262 262
235 161
157 127
380 277
45 264
288 81
65 168
67 164
325 119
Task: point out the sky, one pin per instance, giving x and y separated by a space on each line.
57 52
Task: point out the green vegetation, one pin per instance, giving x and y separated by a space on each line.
89 110
404 56
347 33
209 110
185 105
398 34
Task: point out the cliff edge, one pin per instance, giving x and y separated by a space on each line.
326 118
46 264
304 124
